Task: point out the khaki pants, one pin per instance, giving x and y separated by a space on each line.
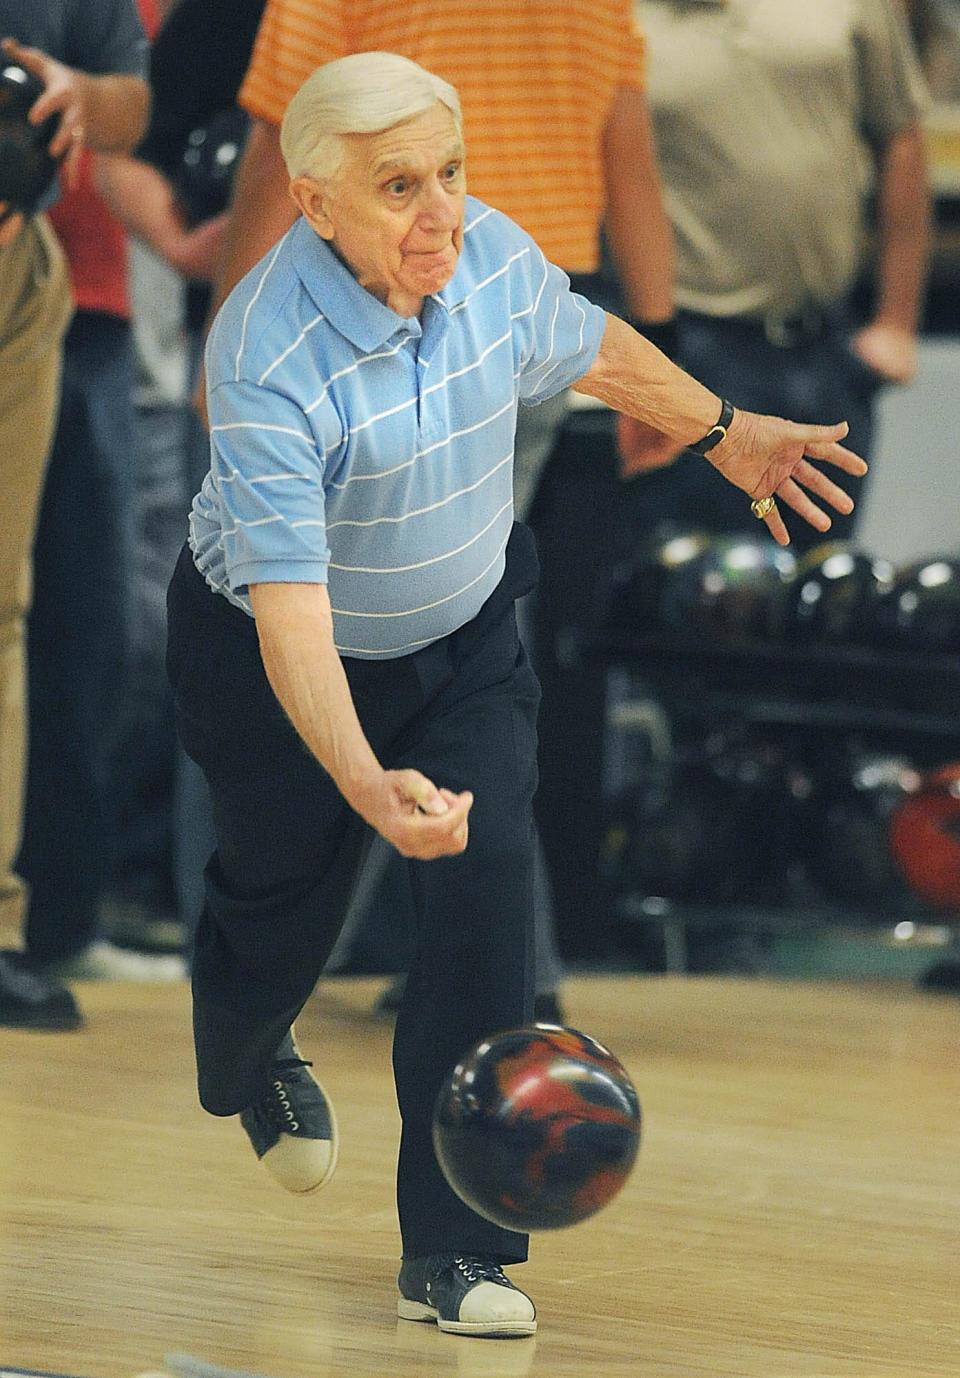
35 309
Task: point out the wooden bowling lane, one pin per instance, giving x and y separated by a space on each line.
795 1209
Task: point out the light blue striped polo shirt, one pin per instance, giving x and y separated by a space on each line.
372 452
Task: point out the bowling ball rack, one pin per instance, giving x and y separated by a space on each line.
779 693
799 688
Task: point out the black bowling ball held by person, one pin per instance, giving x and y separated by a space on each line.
343 640
27 167
41 126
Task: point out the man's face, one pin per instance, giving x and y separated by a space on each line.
394 211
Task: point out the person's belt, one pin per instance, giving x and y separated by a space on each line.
782 330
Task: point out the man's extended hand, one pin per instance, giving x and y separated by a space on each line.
641 448
419 819
767 456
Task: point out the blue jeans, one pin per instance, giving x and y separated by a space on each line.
77 637
815 380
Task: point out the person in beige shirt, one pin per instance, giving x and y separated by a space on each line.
777 125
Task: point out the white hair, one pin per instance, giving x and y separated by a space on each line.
360 94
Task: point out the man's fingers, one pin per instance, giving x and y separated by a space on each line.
428 836
817 482
822 435
72 164
794 496
840 456
775 525
30 58
422 792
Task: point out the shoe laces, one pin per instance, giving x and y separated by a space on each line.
479 1270
276 1103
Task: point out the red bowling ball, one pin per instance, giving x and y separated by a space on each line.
537 1128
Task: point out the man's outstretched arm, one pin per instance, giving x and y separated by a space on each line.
762 455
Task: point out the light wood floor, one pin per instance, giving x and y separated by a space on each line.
795 1209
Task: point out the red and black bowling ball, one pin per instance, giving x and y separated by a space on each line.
925 839
537 1128
26 167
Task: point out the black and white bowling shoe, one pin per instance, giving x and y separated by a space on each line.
464 1295
292 1126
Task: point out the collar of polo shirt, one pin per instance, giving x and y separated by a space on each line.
356 313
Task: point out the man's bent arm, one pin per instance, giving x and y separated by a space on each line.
903 227
145 202
638 231
295 630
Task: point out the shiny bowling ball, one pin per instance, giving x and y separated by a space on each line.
537 1128
921 612
843 810
696 585
26 167
835 593
633 600
205 176
724 589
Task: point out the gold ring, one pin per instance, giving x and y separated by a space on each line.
762 507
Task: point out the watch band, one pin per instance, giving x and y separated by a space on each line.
716 433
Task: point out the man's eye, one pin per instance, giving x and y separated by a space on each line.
398 187
450 172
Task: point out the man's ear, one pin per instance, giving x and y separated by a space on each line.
310 196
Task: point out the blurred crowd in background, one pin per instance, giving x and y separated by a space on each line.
859 257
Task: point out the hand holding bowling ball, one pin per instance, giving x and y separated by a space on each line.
537 1128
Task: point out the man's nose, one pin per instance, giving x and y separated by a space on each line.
440 209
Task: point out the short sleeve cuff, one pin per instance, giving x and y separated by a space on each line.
241 576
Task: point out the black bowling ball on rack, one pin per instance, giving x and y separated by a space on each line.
843 804
26 166
920 613
834 595
727 590
703 829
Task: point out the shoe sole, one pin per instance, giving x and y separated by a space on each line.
419 1311
43 1023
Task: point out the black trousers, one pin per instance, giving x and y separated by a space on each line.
463 710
